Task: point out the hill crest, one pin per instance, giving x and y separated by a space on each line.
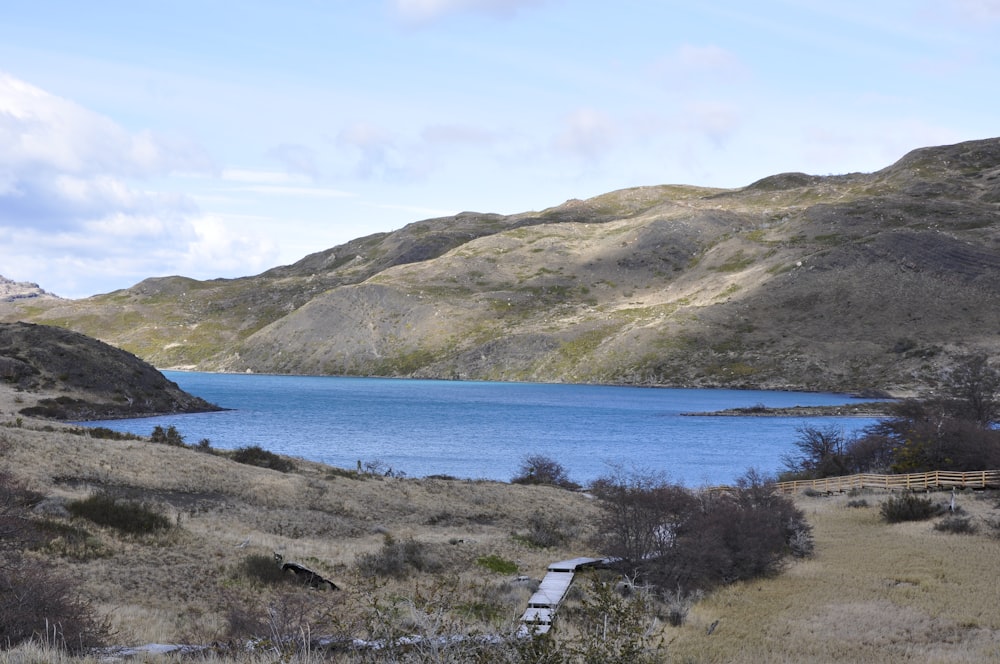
848 283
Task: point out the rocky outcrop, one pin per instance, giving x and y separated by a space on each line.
21 290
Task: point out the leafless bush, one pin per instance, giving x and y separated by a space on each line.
682 541
282 622
38 604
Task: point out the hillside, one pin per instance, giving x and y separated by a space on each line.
65 375
849 283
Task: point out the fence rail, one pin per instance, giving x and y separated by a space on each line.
936 479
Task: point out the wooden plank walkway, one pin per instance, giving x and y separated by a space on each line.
542 607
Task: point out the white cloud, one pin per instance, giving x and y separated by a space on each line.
220 247
42 132
380 155
588 133
75 196
988 10
428 10
716 121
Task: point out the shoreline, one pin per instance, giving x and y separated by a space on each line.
872 409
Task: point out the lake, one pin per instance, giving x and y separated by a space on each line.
482 430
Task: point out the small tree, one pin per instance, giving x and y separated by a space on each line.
540 469
642 513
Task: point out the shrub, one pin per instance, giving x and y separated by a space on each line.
255 455
546 531
540 469
261 568
397 559
857 502
683 541
908 507
280 622
37 604
168 436
959 525
495 563
122 515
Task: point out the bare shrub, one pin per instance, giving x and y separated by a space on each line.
282 622
681 541
38 604
822 452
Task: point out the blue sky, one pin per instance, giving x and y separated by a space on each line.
216 138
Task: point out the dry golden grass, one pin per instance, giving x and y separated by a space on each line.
179 586
872 593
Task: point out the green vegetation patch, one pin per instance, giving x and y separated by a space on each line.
254 455
495 563
585 343
736 263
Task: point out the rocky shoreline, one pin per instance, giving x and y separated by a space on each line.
870 409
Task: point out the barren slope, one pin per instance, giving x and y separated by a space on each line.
852 282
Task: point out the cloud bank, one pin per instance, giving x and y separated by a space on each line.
76 196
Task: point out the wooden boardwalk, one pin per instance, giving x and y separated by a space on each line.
936 479
542 606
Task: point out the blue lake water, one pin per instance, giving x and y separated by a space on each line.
483 430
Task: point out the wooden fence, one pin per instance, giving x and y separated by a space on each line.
936 479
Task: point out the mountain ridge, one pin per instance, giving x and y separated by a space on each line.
845 283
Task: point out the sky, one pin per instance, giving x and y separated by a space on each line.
221 138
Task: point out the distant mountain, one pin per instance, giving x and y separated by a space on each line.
21 290
849 283
66 375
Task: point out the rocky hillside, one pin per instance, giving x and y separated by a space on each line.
850 282
68 376
11 291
